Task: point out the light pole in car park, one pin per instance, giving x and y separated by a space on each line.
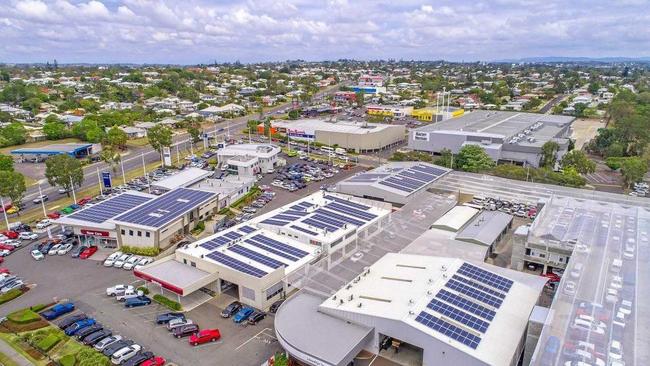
4 211
40 192
74 196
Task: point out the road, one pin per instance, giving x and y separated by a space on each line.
134 160
548 107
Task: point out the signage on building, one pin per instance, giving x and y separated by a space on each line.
106 179
421 136
167 156
95 232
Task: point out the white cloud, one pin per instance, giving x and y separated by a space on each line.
32 8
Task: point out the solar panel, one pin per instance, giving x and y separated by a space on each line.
488 278
346 202
328 220
347 219
247 229
449 330
284 217
474 293
458 315
109 208
419 176
257 257
232 235
215 243
462 303
396 186
319 224
402 182
351 211
272 250
306 231
163 209
236 264
274 222
479 286
281 246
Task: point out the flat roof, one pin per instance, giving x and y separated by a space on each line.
485 228
248 149
314 124
466 305
455 218
184 178
106 210
53 149
165 208
443 243
401 178
174 275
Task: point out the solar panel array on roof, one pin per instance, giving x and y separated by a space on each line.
284 217
166 208
449 330
351 211
413 178
246 229
221 240
458 315
306 231
464 304
257 257
474 293
110 208
280 246
270 249
347 202
236 264
483 276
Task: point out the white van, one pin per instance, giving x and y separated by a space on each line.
577 270
616 265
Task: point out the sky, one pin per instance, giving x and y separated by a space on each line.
205 31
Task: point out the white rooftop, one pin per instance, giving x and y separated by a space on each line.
313 124
259 150
455 218
184 178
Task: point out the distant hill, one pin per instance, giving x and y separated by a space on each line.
561 59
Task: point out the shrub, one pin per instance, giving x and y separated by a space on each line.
90 357
146 251
144 290
162 300
39 307
10 295
68 360
23 316
48 342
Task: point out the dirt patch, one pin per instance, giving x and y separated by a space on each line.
11 327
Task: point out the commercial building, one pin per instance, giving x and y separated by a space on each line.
229 188
389 110
434 310
249 159
182 179
357 136
429 114
395 182
74 150
251 260
505 136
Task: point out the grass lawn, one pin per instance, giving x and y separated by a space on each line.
13 340
138 142
6 150
6 361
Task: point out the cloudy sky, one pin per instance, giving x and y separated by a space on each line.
201 31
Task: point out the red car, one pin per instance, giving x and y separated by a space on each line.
4 270
156 361
88 252
205 336
54 215
10 234
84 200
7 247
6 207
552 277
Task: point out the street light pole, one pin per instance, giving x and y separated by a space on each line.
99 181
74 197
42 203
2 202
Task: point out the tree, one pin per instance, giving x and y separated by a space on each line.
579 109
111 156
446 158
473 158
294 114
159 136
55 130
116 138
579 161
14 134
12 185
194 129
360 98
633 170
64 171
6 163
549 154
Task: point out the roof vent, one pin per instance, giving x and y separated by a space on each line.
334 298
444 275
429 292
411 312
182 200
351 297
430 281
443 268
411 302
341 302
359 305
357 279
348 287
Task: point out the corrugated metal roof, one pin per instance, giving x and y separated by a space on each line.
485 228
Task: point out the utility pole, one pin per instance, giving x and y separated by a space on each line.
42 203
74 197
2 202
99 180
123 175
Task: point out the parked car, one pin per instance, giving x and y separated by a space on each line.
79 325
27 235
256 317
178 322
97 336
58 310
119 262
66 322
43 224
101 345
118 289
12 285
54 249
110 260
231 309
37 255
143 262
76 252
155 361
84 200
64 249
125 353
167 317
41 198
128 294
204 336
88 252
82 334
131 262
243 314
111 349
137 301
139 358
185 330
10 234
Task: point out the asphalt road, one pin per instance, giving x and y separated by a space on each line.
552 103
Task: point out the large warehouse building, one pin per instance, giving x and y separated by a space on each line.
505 136
357 136
255 257
434 310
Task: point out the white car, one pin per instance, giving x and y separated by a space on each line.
37 255
175 323
119 262
43 224
13 243
65 248
4 252
143 262
54 250
615 351
128 294
125 353
107 342
570 288
118 289
612 295
26 235
131 262
108 262
617 282
625 307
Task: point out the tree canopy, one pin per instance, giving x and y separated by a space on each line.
159 136
473 158
12 185
579 161
549 154
63 171
633 170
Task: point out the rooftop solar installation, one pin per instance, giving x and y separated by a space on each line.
110 208
306 231
474 293
396 186
281 246
220 240
348 203
236 264
479 286
343 218
246 229
165 208
458 315
464 304
449 330
351 211
485 277
271 250
257 257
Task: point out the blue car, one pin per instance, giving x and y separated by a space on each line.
58 310
243 314
137 301
77 326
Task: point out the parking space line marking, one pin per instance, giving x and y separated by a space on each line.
208 344
251 338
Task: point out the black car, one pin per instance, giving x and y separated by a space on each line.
167 317
97 336
66 322
185 330
88 331
22 228
37 246
46 248
275 306
256 317
139 358
231 309
108 351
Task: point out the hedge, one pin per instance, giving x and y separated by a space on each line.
162 300
67 360
146 251
38 307
10 295
144 290
48 342
23 316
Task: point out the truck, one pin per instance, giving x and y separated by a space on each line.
57 310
